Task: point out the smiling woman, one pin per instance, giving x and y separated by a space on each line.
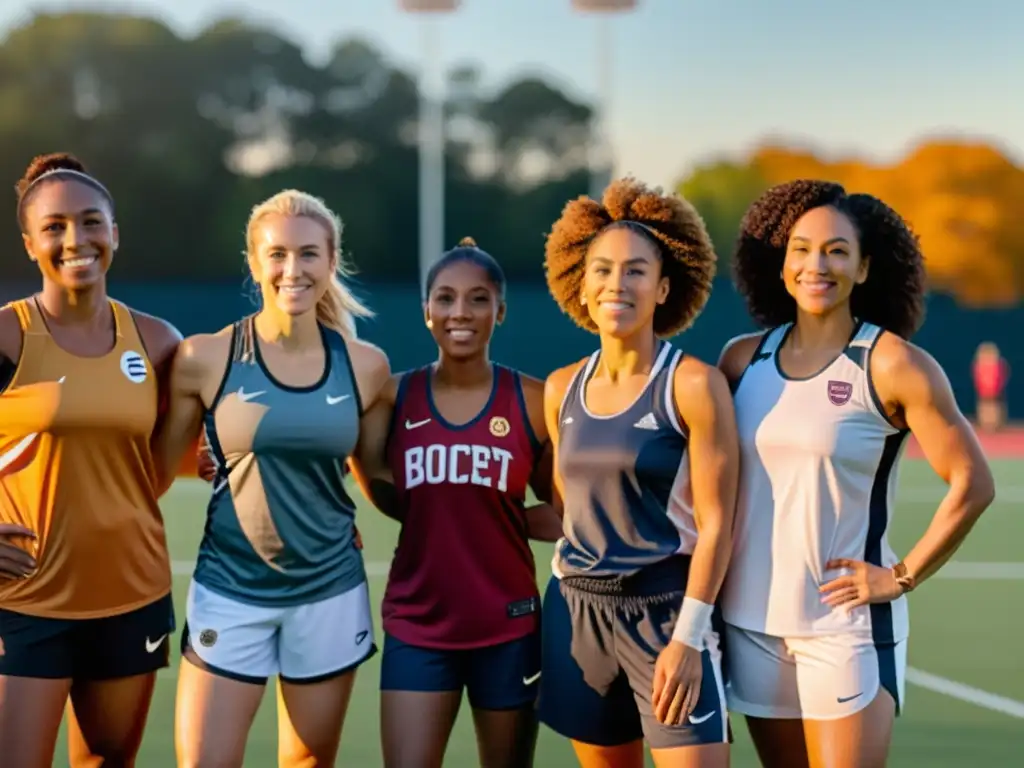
645 470
279 587
815 600
79 407
466 441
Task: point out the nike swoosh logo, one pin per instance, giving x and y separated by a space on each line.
702 718
336 400
151 646
245 397
532 679
414 424
844 699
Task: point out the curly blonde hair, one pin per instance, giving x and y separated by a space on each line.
688 258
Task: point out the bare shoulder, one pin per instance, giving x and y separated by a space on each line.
367 357
159 337
900 370
559 379
695 378
204 352
10 333
894 355
737 354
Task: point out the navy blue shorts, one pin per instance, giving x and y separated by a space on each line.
108 648
495 677
599 652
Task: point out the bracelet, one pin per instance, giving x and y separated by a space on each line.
693 624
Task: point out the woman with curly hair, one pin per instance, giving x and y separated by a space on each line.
645 474
814 602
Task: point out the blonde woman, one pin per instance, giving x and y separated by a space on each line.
279 587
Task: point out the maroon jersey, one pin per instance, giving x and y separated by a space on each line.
463 573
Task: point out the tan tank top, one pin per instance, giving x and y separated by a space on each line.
76 468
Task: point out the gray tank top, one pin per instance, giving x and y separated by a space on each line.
279 527
627 498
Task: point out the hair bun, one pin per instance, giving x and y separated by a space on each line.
467 242
55 161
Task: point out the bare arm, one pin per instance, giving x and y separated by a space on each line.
918 394
543 521
369 464
161 340
555 387
705 405
193 363
377 396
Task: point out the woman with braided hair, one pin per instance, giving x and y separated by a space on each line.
815 599
645 473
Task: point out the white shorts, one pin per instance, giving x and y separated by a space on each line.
300 643
810 678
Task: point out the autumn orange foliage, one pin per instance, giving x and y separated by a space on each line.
964 199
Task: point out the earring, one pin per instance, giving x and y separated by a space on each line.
583 299
430 323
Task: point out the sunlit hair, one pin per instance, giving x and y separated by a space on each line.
338 308
891 297
673 225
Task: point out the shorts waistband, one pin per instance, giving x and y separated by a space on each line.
651 583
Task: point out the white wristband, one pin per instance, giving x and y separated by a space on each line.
693 624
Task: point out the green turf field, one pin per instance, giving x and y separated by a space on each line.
967 626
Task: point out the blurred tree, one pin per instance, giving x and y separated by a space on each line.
961 198
190 133
722 191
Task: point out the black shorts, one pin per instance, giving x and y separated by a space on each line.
133 643
601 639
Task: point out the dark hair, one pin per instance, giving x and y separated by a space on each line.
687 257
467 250
893 294
57 165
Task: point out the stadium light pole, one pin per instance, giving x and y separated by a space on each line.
430 128
600 152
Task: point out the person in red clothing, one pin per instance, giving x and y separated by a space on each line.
991 374
461 610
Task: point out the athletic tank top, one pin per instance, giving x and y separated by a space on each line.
76 468
818 479
279 527
627 502
463 573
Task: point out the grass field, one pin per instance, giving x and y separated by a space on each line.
965 691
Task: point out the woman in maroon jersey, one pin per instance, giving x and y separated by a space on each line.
461 610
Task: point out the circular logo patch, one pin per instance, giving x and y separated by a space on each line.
207 638
133 366
499 426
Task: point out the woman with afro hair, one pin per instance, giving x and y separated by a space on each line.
815 600
646 462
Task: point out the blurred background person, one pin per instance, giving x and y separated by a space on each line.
991 375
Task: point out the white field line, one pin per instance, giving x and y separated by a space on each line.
912 494
967 693
962 571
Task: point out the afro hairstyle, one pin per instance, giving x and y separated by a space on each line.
688 258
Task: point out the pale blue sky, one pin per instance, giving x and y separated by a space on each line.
699 78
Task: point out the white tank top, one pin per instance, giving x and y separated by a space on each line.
817 481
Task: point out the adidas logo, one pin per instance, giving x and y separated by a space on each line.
647 422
